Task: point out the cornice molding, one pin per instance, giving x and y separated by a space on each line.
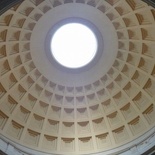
7 4
150 2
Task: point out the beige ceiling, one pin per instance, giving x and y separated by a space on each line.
55 111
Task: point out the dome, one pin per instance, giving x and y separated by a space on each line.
104 107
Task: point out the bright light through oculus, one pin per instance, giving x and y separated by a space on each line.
73 45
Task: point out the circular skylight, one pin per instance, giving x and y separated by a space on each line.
74 45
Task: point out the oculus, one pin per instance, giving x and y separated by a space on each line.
73 45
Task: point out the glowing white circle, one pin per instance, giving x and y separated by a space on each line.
74 45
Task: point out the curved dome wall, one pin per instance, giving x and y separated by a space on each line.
103 108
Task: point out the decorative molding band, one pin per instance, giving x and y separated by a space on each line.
7 4
150 2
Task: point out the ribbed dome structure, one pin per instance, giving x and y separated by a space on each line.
104 106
